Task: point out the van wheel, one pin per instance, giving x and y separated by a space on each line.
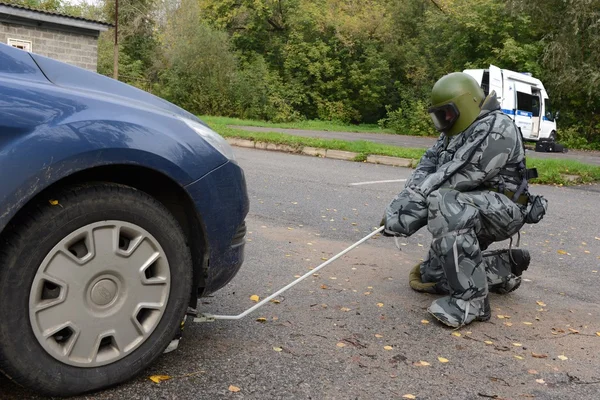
94 282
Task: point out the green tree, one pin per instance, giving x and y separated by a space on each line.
196 67
570 36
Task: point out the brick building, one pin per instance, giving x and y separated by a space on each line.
69 39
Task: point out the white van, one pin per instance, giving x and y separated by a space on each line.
522 97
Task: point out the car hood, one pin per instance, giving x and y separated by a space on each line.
69 76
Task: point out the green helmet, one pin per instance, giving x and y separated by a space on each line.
456 101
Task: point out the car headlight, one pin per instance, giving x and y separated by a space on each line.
212 137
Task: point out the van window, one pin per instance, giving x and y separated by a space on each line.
525 102
485 83
548 107
535 106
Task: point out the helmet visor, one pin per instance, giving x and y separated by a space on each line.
444 116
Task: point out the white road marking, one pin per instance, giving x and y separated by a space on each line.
375 182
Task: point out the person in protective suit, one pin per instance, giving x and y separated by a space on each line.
470 189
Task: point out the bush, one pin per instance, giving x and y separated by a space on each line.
411 118
573 138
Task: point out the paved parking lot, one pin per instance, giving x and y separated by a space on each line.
357 331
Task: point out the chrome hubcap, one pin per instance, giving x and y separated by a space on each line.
99 293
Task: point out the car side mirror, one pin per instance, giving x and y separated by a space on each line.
556 115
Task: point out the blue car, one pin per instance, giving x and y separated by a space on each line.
117 211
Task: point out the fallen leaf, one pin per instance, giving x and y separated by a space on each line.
324 287
275 301
519 357
517 344
234 389
387 347
561 252
488 342
535 355
333 278
573 330
422 364
457 334
377 335
340 344
443 360
508 324
541 303
597 238
563 358
261 319
55 203
277 349
409 396
254 298
500 316
540 381
527 323
532 372
367 293
597 333
379 304
159 378
344 309
424 321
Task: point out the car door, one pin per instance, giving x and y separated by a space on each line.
524 110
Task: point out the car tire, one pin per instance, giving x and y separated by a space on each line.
96 299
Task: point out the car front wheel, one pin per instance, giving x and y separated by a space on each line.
94 282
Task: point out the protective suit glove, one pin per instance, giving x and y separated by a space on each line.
415 282
406 214
386 232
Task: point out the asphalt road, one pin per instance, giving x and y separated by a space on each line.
327 337
588 157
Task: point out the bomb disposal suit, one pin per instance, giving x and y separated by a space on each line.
470 189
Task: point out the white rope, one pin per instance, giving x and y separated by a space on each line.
210 317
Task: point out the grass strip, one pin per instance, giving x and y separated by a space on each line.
314 125
551 172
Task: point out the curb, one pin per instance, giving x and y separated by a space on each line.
324 153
